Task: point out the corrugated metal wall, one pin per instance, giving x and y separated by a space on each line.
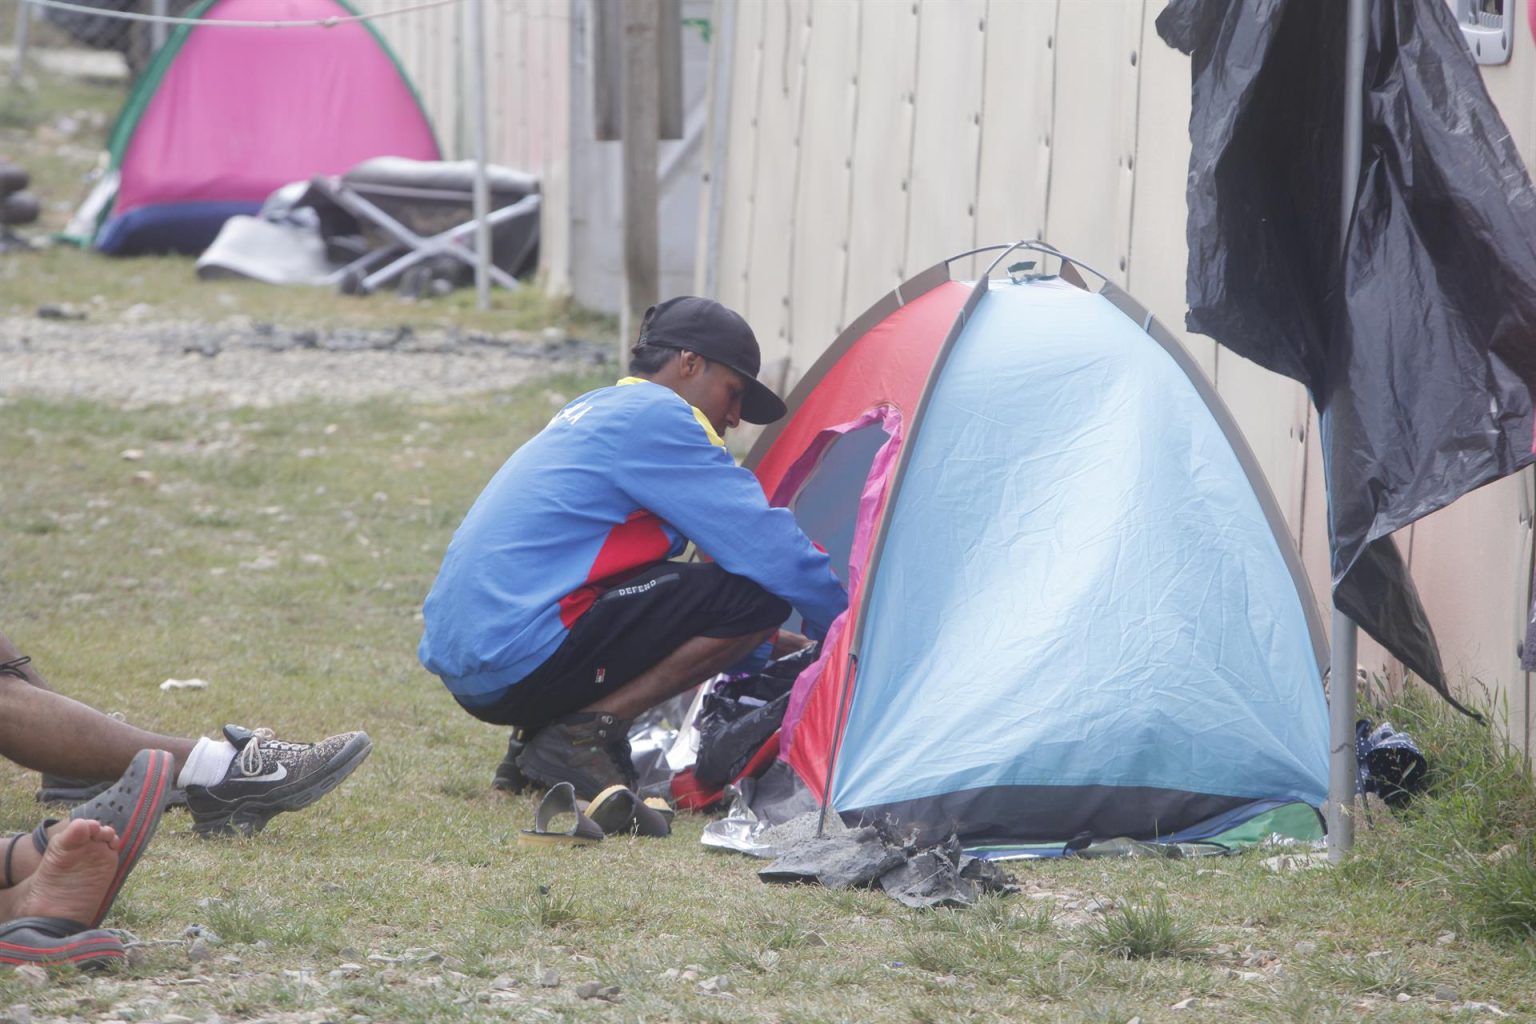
867 140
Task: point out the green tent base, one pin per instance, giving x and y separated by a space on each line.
1294 822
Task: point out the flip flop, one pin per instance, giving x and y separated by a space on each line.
57 940
618 810
560 802
132 806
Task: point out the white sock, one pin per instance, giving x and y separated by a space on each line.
208 763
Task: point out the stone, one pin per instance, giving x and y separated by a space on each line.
200 950
1446 994
1306 948
548 978
719 983
1183 1004
503 983
52 311
19 1013
32 976
1403 997
671 974
1445 938
131 455
589 990
1471 1007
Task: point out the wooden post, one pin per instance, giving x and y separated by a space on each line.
641 126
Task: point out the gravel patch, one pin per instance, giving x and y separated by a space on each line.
241 362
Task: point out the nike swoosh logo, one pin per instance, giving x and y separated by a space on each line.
277 774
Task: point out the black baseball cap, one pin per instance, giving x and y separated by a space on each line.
720 335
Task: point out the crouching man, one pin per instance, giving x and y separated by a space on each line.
556 611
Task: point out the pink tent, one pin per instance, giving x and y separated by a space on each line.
226 115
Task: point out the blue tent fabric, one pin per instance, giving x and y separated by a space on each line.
1081 618
169 227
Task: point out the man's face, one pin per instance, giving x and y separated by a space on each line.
712 388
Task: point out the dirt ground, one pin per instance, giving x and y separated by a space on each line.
241 362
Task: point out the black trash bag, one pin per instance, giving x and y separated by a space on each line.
741 714
732 735
1389 763
1416 343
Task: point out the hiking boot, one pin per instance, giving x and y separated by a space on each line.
590 750
269 776
66 792
509 777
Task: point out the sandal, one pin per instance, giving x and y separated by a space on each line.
132 807
57 940
617 809
10 850
559 802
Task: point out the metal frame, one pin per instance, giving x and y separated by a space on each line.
411 248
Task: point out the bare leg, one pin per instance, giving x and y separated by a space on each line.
48 732
692 663
72 879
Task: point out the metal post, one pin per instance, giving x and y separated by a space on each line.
1342 779
641 124
23 28
722 56
474 40
157 33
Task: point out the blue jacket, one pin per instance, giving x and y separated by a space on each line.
620 479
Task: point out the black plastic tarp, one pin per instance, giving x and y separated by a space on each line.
1418 345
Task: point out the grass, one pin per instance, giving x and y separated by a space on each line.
282 555
1148 932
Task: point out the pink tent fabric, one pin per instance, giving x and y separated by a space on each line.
243 111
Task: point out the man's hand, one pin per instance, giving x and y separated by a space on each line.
788 643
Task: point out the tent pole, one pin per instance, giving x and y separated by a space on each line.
474 39
23 29
1342 779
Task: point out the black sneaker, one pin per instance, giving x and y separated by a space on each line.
269 776
590 750
509 778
